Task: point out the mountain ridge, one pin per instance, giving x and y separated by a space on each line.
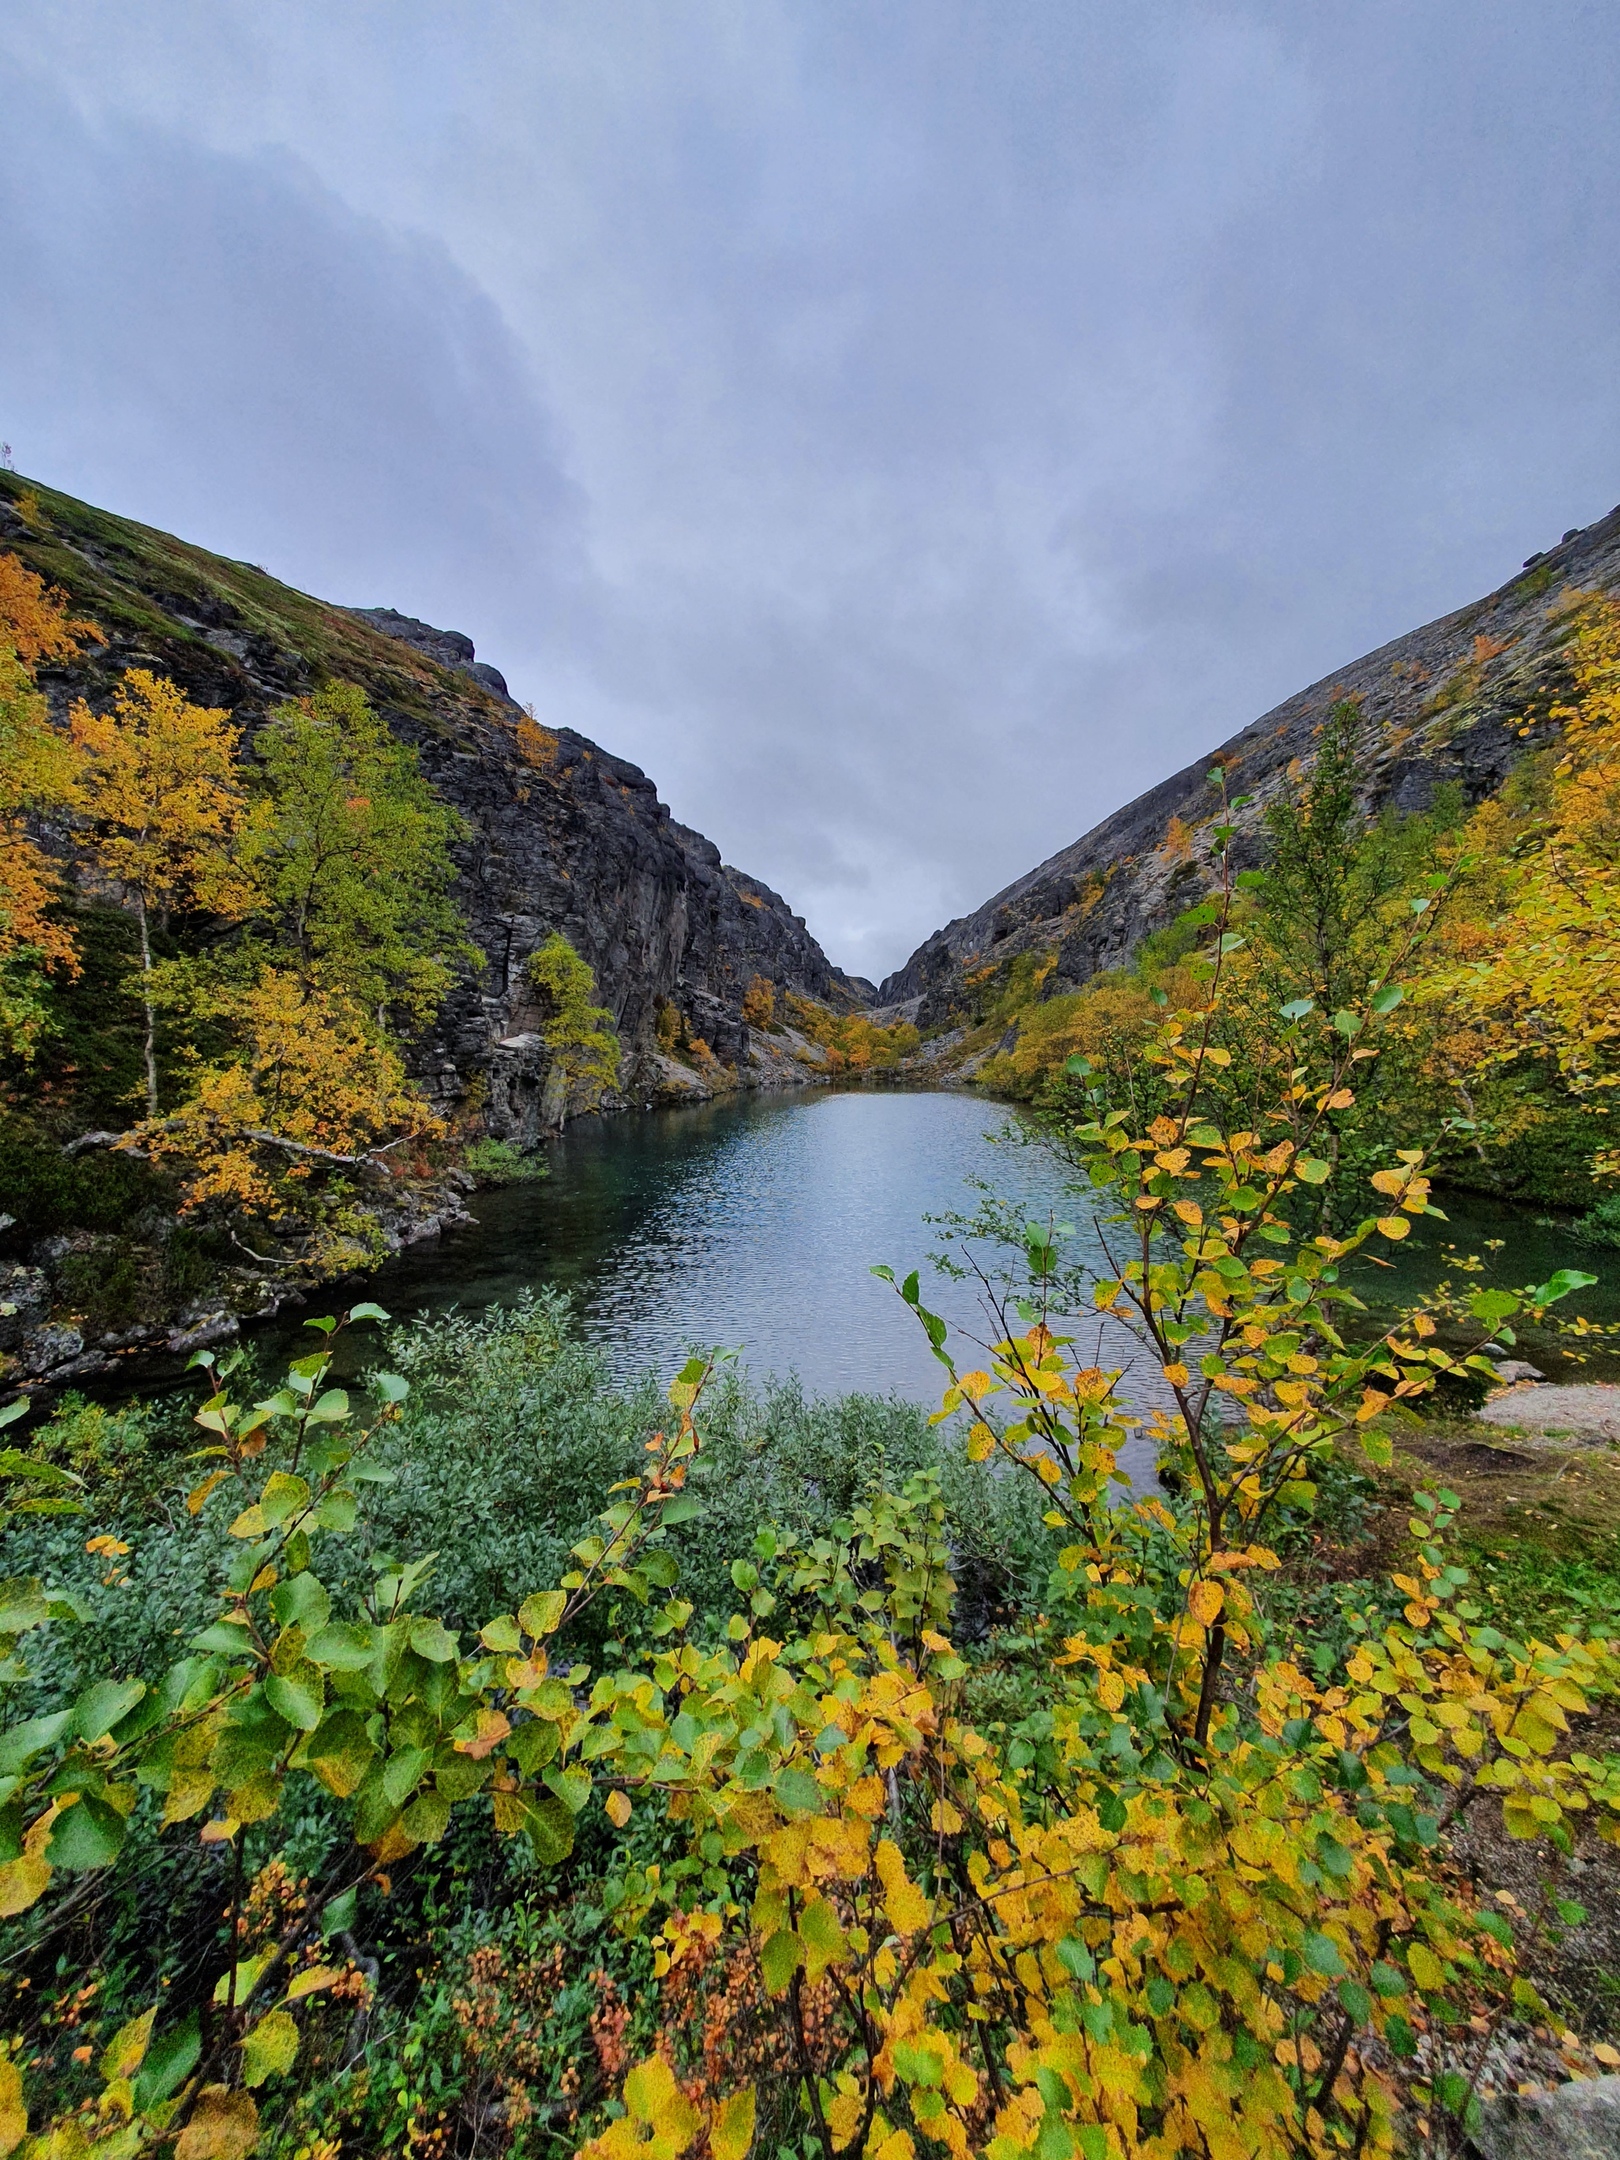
563 834
1446 702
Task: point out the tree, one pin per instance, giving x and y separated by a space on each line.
1535 966
351 852
157 781
310 1101
580 1035
35 765
759 1004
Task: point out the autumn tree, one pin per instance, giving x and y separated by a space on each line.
759 1004
579 1034
1535 966
157 783
350 848
285 1129
35 763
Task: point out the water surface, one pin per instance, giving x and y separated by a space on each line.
753 1223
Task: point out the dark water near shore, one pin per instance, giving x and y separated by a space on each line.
753 1223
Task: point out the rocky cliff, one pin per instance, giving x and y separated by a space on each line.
563 835
1456 701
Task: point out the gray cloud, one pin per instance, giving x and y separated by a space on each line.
906 431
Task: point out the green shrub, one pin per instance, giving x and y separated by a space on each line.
499 1162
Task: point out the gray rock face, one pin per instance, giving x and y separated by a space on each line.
1579 2121
563 835
1443 704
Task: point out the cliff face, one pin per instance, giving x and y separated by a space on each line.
1447 703
563 835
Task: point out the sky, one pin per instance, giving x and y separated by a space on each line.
906 428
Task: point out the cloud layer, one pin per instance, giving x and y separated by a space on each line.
908 432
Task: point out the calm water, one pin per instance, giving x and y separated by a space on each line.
749 1224
753 1224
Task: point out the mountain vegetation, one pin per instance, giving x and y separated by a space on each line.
304 923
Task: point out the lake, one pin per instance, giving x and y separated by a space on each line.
752 1223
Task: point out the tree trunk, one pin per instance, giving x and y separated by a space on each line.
151 1017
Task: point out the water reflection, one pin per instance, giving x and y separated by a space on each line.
753 1223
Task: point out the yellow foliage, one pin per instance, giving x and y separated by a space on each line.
313 1087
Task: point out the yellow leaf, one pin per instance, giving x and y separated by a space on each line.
270 2048
22 1883
904 1903
492 1728
13 2111
1204 1601
223 2126
127 2051
1110 1690
981 1443
1177 1375
1394 1226
1190 1212
618 1808
1426 1968
311 1982
731 2126
653 2097
199 1493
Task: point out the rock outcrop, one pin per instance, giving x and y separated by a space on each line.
563 835
1448 703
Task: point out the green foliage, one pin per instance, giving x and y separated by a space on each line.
351 850
580 1035
502 1162
45 1190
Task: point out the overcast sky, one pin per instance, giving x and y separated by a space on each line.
906 428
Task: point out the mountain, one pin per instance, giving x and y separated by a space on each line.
1447 703
563 834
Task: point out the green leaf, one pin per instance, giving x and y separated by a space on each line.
101 1707
1347 1023
344 1646
270 2048
799 1792
1356 2001
170 2060
572 1787
1312 1170
432 1639
1321 1954
301 1601
90 1834
23 1605
427 1818
685 1507
337 1511
501 1635
298 1696
366 1312
403 1772
1385 1001
1560 1285
550 1827
780 1959
338 1913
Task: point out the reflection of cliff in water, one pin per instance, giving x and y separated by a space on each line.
753 1222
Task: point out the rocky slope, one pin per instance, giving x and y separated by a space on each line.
1447 703
564 836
